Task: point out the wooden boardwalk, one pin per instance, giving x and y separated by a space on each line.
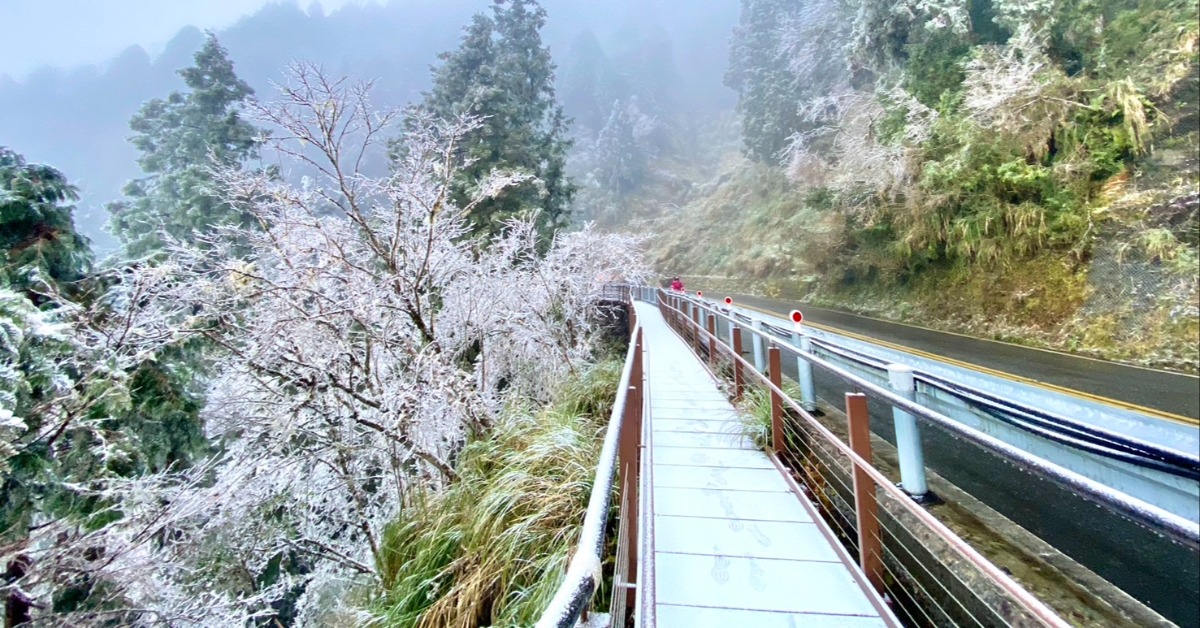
733 544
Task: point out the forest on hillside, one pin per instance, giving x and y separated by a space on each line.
300 316
324 312
77 119
1024 170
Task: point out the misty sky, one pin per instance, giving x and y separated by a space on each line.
68 33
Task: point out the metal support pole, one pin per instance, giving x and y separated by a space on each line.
776 399
908 434
760 357
631 451
732 323
804 372
870 553
739 379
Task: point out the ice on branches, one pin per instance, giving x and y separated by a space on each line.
363 337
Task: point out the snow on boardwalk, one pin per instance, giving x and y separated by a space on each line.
733 546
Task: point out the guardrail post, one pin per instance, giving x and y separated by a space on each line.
776 378
739 380
732 323
870 553
759 354
908 434
804 372
712 341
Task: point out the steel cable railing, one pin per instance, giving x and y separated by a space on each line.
1170 525
817 457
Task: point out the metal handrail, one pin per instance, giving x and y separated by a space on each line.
1088 438
1189 462
584 571
1175 527
1027 600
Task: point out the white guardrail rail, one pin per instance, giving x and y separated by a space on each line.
1150 459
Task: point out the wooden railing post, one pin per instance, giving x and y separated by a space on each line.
695 327
629 454
870 553
739 381
774 374
712 341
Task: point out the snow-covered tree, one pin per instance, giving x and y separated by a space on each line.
502 74
365 336
620 158
178 137
768 91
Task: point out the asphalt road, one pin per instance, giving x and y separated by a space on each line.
1167 392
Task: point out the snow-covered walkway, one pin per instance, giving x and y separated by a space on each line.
733 544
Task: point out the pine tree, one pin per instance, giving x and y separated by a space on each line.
768 93
503 74
37 229
621 161
180 139
589 84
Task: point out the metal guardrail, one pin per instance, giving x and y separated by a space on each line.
1049 425
897 558
620 459
1174 527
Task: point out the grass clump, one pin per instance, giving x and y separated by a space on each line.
491 549
755 415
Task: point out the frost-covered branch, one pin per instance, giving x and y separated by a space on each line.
360 337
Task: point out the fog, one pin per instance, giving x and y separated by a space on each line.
69 86
66 33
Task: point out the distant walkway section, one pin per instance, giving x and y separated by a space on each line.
733 543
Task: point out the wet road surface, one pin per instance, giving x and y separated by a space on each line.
1171 393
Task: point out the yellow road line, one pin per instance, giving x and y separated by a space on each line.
1160 414
999 342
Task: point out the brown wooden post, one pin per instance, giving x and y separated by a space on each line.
739 381
865 506
695 327
773 373
712 341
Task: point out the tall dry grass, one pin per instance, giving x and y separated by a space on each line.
492 549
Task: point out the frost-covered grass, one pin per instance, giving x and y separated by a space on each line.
755 415
491 549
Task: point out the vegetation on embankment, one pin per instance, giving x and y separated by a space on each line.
1021 172
1131 297
492 548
